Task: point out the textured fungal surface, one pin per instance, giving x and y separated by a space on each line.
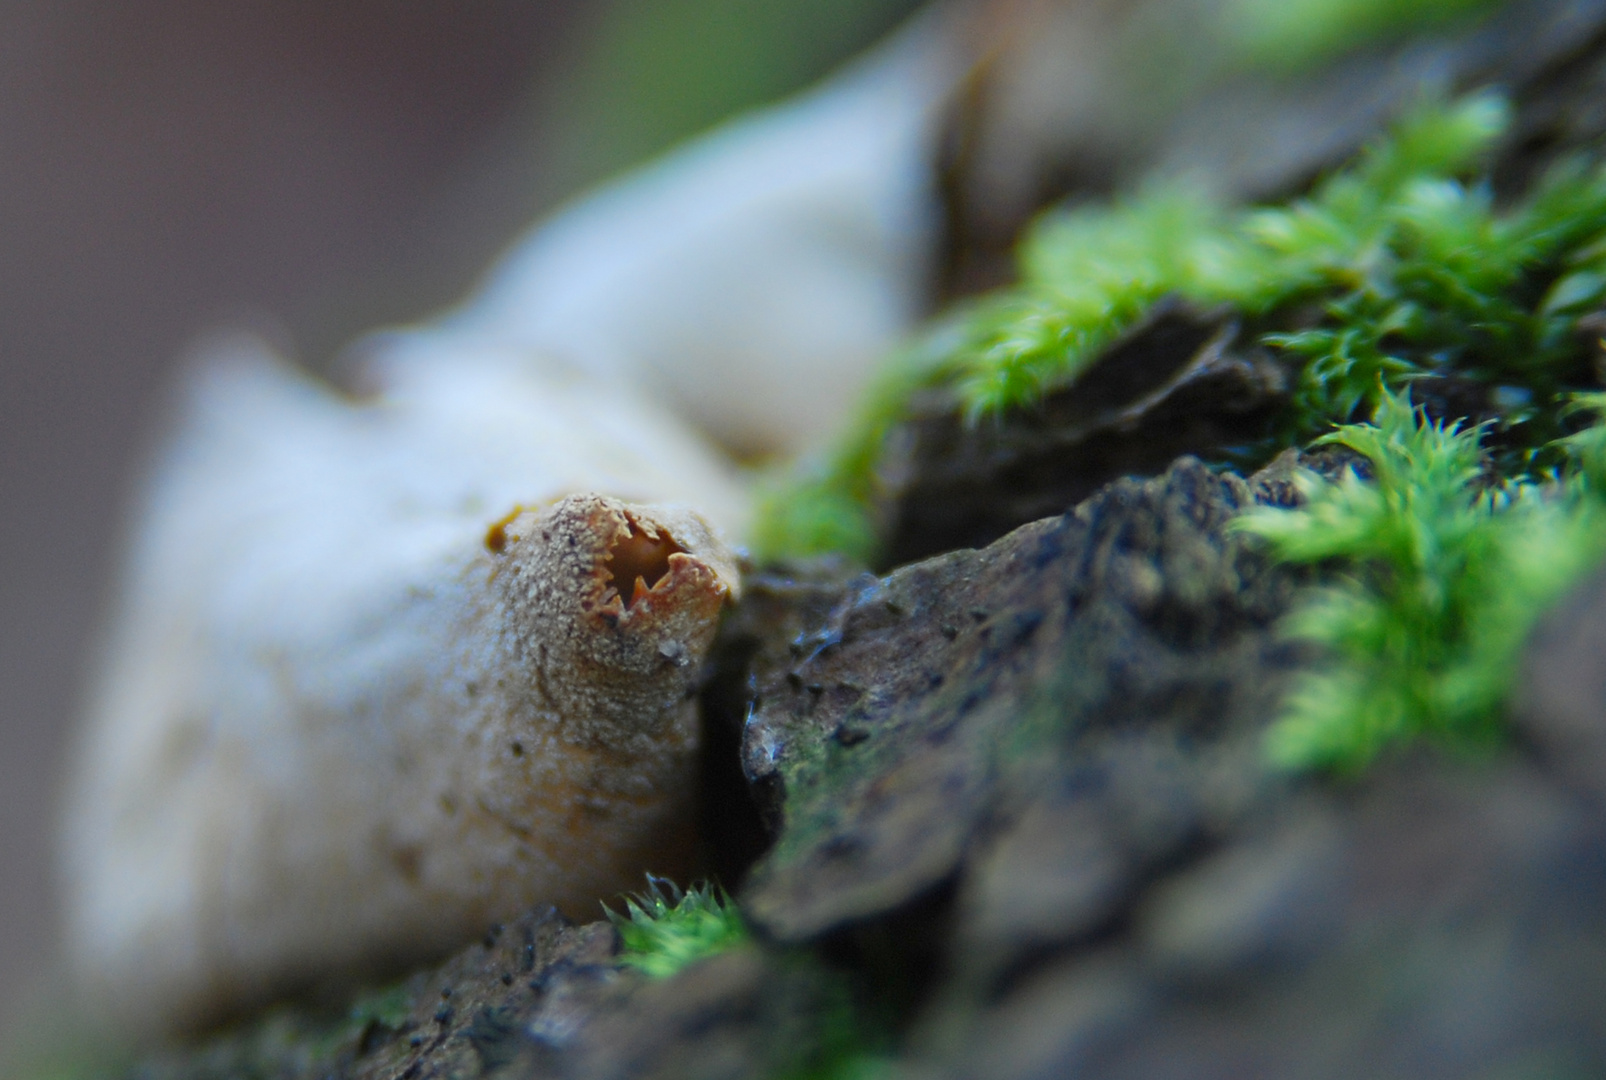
355 710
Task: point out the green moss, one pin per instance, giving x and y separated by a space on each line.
1459 290
1288 36
1436 579
825 1034
1398 267
664 929
1395 229
821 506
812 515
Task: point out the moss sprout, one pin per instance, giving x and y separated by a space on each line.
664 929
1437 575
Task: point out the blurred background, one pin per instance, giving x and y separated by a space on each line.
313 170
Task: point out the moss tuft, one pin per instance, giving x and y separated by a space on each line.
1438 572
664 929
1395 229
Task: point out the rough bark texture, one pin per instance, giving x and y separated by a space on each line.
1024 829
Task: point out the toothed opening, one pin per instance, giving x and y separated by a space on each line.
638 562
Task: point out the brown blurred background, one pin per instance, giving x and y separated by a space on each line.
316 168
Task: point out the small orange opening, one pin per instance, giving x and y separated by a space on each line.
496 535
638 562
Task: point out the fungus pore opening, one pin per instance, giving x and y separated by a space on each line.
638 562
